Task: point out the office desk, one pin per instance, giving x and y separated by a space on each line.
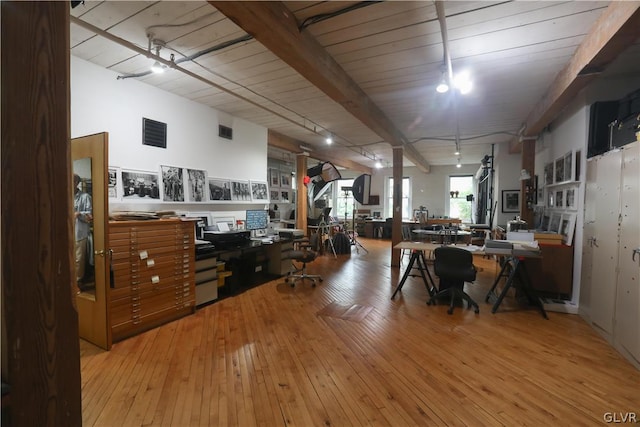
516 259
417 257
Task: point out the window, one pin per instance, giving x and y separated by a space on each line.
460 205
344 199
406 197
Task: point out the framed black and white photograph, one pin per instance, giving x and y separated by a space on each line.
544 224
559 170
554 222
139 185
274 178
219 189
275 194
510 201
197 185
570 199
559 198
567 227
172 184
550 198
259 191
568 166
548 173
284 195
112 186
285 180
240 191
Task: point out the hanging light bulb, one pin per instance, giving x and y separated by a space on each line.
462 81
157 67
443 86
329 140
458 165
378 164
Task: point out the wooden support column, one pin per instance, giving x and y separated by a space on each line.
301 194
396 228
42 348
526 186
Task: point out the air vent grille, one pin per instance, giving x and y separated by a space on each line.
225 132
154 133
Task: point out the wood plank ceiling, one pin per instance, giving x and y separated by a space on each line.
366 72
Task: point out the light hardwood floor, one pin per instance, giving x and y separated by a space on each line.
344 354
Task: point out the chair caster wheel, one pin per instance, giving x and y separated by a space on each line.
450 311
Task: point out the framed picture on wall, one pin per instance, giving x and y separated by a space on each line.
285 180
197 185
570 199
510 201
568 166
284 195
172 183
274 178
139 185
240 191
259 191
559 170
275 194
559 198
219 189
548 173
112 188
550 198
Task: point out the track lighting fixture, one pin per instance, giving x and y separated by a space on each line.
156 44
443 86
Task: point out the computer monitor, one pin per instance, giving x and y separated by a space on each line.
257 219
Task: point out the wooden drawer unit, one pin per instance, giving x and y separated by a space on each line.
153 274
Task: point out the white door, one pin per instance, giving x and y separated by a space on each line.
605 240
627 326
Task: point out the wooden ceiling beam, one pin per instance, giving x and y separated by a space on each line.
283 142
617 28
273 25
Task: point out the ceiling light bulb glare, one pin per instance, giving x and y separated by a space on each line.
157 67
378 164
462 82
329 140
458 165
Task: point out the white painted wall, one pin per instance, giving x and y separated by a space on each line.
101 103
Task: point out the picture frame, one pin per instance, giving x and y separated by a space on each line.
559 170
568 166
172 184
567 228
259 191
274 178
550 198
113 184
546 220
548 173
577 162
274 194
197 185
240 191
570 201
139 186
284 195
219 189
555 222
285 180
559 198
510 201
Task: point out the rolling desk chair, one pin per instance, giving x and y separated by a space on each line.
454 266
301 253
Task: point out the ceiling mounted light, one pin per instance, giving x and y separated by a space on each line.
443 86
329 140
462 82
458 165
157 67
378 164
457 153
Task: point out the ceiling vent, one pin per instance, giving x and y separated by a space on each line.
225 132
154 133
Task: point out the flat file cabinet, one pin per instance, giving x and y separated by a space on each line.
152 274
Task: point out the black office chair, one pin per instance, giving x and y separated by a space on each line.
301 253
454 266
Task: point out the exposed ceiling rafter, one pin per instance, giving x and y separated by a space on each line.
273 25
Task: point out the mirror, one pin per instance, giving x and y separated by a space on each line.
83 227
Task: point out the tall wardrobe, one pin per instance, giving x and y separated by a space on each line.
610 288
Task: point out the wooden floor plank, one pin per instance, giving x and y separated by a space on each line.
344 354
